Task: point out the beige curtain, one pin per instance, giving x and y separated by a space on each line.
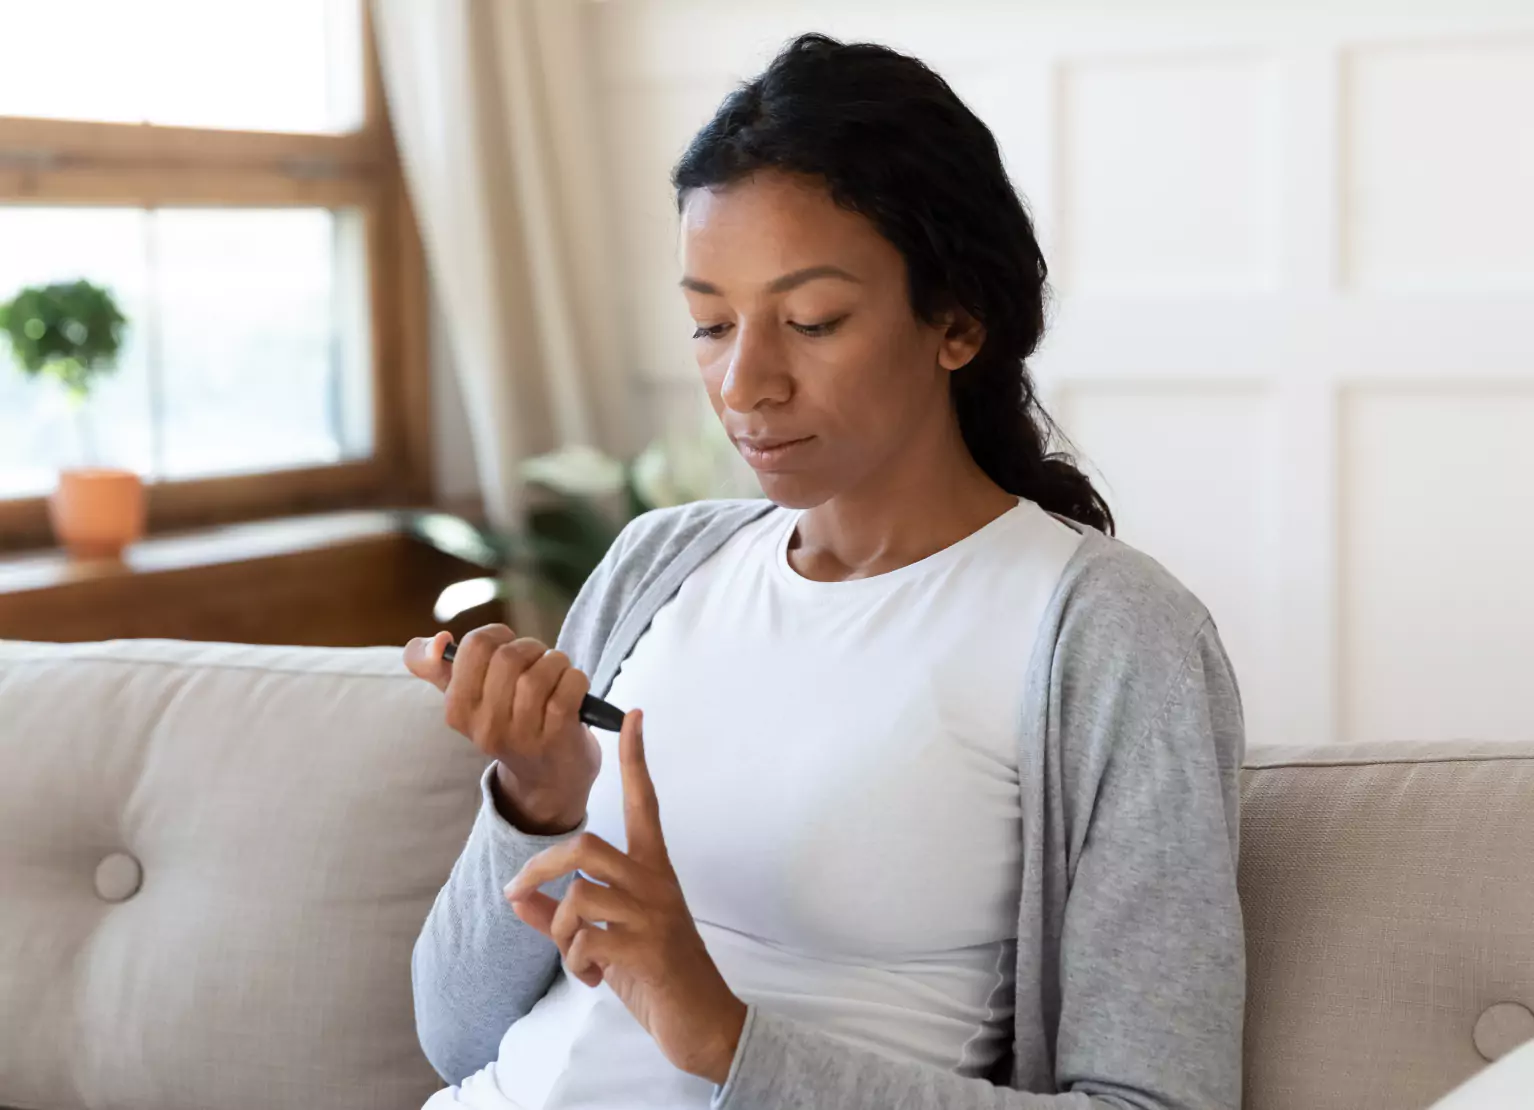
493 108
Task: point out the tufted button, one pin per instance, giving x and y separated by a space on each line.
1502 1028
118 877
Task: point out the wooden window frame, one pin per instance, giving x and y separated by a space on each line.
64 162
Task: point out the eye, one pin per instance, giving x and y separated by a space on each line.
712 331
817 331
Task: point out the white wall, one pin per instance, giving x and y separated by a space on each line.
1294 253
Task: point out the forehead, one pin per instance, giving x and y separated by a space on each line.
770 224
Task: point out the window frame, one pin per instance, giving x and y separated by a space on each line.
62 162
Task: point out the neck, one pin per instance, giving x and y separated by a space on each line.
928 498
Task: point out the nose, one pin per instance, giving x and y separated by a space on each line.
755 374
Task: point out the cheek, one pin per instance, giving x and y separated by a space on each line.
711 369
715 401
865 379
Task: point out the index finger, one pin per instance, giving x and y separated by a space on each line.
641 808
424 659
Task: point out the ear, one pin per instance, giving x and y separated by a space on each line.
962 338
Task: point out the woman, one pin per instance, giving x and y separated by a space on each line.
948 777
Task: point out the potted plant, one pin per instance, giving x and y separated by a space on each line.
72 332
582 499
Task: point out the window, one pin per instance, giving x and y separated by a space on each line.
273 65
227 172
249 349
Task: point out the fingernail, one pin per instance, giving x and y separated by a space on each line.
512 891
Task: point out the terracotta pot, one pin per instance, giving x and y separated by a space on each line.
96 512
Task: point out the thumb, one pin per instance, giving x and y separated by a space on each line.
423 658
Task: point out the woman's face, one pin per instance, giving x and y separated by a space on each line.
813 358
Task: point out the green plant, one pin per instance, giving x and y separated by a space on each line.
582 499
69 331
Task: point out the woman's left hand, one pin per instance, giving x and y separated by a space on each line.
650 953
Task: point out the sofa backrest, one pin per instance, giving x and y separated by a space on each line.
214 862
1388 892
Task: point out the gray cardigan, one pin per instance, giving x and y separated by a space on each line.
1130 959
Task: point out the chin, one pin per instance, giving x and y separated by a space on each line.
793 491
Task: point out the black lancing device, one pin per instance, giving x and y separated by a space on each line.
594 711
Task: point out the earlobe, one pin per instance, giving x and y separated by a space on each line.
956 358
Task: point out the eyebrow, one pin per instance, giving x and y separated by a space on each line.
782 284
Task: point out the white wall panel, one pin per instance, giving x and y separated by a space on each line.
1438 563
1440 158
1166 174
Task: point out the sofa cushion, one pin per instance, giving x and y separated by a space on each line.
1388 892
215 860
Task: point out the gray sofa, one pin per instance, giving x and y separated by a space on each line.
214 860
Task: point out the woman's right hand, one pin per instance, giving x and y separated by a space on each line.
520 703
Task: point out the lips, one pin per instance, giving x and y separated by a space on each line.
771 452
768 443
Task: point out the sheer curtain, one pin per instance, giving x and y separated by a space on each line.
493 111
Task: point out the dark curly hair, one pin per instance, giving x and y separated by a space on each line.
893 142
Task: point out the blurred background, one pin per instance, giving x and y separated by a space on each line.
388 298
